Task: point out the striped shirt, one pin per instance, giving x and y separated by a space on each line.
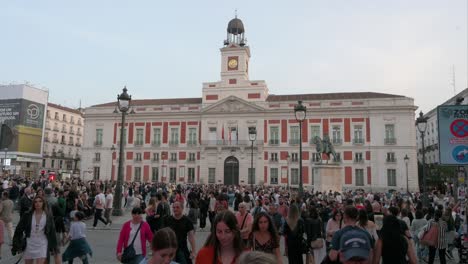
442 238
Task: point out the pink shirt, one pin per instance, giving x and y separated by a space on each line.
248 221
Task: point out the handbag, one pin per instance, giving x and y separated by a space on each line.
431 236
317 243
129 252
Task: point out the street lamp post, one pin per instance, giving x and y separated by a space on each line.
406 158
300 113
252 137
123 103
421 123
112 149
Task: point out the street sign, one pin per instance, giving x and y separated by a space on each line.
453 134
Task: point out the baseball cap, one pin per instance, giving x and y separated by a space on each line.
355 244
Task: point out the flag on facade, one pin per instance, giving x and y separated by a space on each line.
230 132
222 133
237 133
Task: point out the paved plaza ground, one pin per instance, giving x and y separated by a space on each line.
103 241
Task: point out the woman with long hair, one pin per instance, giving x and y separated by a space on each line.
150 211
366 224
334 224
294 232
35 233
392 246
224 244
264 236
163 247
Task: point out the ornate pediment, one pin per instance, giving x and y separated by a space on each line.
232 104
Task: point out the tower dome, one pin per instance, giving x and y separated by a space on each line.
235 32
235 26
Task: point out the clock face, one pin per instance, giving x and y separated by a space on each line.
232 64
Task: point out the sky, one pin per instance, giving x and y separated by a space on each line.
88 50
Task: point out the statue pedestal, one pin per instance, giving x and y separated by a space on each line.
328 177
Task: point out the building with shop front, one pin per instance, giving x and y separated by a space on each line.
63 137
205 139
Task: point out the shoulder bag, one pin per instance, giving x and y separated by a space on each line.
431 236
129 252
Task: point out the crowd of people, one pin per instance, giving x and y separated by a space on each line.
246 226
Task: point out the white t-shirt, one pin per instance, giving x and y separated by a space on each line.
5 184
137 243
109 200
102 200
77 230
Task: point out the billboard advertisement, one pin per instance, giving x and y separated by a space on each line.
26 120
453 134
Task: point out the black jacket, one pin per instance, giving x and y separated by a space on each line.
313 228
23 230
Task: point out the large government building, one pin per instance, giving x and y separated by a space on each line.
206 139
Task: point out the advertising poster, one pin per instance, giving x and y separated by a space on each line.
453 134
26 120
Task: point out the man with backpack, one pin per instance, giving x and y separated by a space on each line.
344 248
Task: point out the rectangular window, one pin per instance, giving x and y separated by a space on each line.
315 157
274 156
192 140
391 177
173 156
358 135
96 173
97 157
294 135
43 160
211 175
99 137
273 175
191 157
358 157
359 174
391 157
174 136
139 137
336 135
212 136
294 157
337 157
52 163
314 132
294 176
172 175
155 174
155 156
191 175
251 175
70 141
137 177
274 135
137 156
64 117
156 137
390 134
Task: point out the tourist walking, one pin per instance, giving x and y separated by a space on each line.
134 233
265 236
163 247
78 247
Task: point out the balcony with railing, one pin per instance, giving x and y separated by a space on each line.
390 160
156 143
173 143
358 160
294 141
55 141
97 143
71 132
273 142
227 142
78 133
358 141
138 143
337 141
192 143
56 129
137 160
189 160
64 130
173 160
63 142
155 160
96 160
390 141
274 160
77 144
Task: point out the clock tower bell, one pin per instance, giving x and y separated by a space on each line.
235 54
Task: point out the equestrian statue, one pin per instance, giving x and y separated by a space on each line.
324 146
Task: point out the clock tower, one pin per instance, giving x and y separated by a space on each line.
235 54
